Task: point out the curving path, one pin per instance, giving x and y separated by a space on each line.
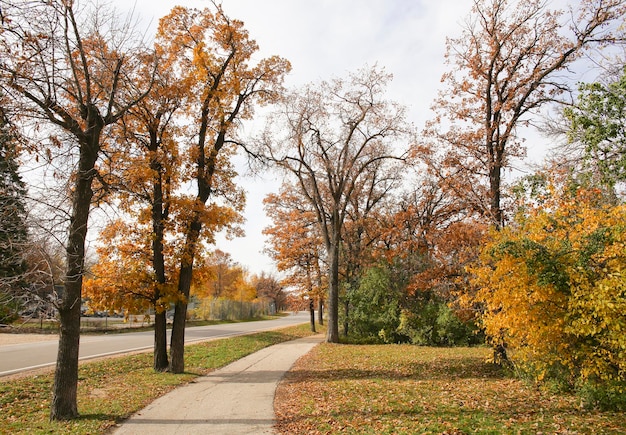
235 400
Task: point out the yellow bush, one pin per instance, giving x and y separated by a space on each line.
552 290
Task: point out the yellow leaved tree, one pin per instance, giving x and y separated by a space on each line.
552 288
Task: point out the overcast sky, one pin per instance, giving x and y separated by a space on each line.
330 38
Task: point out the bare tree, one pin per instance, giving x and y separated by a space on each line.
70 67
336 134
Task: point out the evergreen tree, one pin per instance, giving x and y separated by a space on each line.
13 233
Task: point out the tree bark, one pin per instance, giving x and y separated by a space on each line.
177 342
495 186
161 362
312 311
64 399
332 333
320 310
64 403
346 326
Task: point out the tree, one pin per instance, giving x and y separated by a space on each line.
13 227
598 123
144 175
295 244
214 52
268 287
224 289
371 198
124 279
223 276
68 68
336 134
551 287
507 64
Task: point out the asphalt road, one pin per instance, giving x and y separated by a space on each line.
16 358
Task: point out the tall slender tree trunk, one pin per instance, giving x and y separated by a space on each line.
320 299
332 333
312 312
495 181
320 310
64 393
346 324
160 362
495 188
177 342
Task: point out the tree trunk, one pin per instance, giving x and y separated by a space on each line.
346 326
332 334
312 311
161 363
177 342
320 310
64 403
495 186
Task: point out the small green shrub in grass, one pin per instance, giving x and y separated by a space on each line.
605 396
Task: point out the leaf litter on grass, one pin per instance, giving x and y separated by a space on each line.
110 390
402 389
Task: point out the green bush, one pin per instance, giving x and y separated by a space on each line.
375 308
606 396
433 323
382 312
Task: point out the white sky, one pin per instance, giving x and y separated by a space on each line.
329 38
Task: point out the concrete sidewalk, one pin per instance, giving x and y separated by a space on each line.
236 399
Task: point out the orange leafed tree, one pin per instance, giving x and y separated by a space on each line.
222 277
268 287
295 244
424 233
145 173
123 279
509 61
215 53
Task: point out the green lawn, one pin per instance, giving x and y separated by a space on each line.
402 389
112 389
392 389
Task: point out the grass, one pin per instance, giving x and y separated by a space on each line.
105 395
398 389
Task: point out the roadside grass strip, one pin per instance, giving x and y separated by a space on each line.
112 389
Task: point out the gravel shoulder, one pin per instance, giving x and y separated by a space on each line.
8 338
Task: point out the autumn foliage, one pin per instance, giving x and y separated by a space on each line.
552 288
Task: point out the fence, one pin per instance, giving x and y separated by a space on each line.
226 309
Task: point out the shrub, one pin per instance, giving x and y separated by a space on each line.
375 307
553 291
433 323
